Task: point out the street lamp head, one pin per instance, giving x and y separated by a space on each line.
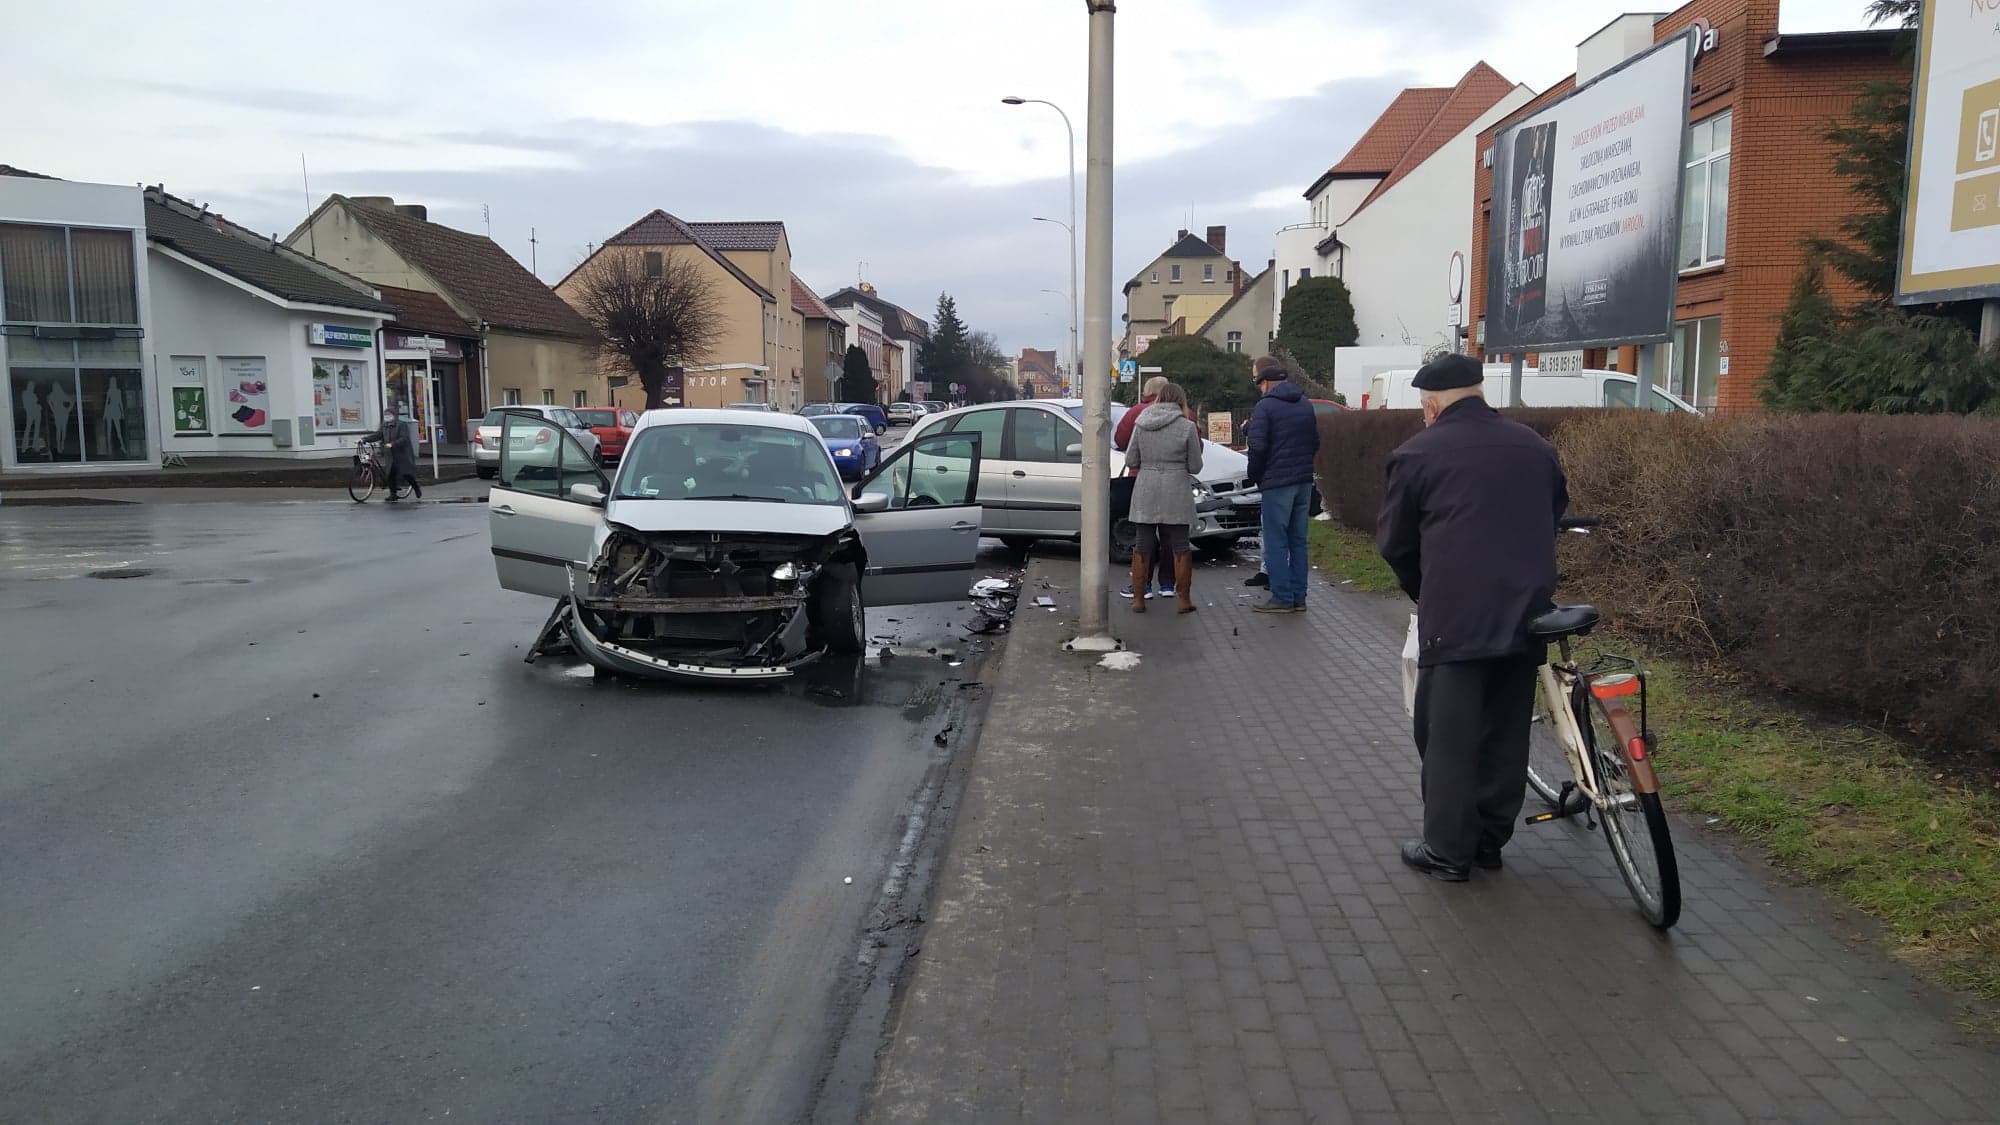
1011 99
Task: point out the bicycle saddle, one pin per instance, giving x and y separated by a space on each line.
1564 621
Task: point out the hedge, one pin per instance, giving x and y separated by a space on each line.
1851 559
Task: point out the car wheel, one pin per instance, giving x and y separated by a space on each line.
837 618
1019 544
487 472
1124 540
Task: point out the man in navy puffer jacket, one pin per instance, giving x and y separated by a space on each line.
1284 440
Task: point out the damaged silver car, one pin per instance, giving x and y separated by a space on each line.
727 546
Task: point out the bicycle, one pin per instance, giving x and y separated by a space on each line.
370 471
1593 758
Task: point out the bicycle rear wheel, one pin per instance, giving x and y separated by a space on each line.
361 483
1548 766
1635 824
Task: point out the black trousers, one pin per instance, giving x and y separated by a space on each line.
1471 727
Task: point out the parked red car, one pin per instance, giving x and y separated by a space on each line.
612 426
1328 406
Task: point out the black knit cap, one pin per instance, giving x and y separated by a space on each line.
1449 372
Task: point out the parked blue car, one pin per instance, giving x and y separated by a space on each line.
878 418
855 451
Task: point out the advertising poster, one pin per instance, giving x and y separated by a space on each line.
326 413
190 410
339 402
1586 211
246 398
1951 228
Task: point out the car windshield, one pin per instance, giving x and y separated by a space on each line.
1117 410
840 427
566 419
598 417
814 410
719 461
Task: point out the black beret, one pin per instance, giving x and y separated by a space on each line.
1449 372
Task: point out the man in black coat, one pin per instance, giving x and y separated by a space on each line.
1469 526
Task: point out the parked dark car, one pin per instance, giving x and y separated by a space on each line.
878 418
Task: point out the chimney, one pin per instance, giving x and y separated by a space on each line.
1181 235
416 211
375 202
1218 237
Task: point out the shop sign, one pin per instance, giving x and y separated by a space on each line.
438 346
339 336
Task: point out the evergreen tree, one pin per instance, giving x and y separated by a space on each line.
857 382
1317 317
943 357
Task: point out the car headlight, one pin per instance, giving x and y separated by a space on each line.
785 572
843 453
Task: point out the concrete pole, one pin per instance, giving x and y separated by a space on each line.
1094 626
1649 369
1515 365
1989 324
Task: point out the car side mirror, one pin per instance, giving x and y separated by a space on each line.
871 502
586 493
1073 451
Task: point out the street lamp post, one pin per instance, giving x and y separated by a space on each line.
1072 284
1071 369
1070 226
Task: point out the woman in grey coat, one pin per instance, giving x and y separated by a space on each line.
1166 450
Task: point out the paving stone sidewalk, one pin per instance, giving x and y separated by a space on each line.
1173 894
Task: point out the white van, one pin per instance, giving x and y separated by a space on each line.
1391 390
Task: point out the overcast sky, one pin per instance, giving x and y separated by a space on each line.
873 128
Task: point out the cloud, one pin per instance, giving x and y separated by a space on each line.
268 99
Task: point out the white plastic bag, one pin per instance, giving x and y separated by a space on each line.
1410 668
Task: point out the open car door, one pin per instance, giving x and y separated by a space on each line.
545 507
918 516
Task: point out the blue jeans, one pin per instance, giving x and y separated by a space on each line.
1285 521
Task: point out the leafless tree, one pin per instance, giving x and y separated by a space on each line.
658 311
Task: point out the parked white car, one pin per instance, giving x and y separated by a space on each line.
727 546
1031 483
1392 390
486 436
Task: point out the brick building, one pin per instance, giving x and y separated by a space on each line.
1757 107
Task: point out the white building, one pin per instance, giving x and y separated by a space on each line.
75 324
1389 217
260 351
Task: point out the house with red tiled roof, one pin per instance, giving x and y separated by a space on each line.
825 341
1386 216
520 342
760 353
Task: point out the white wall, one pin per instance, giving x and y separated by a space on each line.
199 315
69 203
1399 248
1294 252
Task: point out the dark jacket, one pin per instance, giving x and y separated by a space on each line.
1283 438
1469 526
399 438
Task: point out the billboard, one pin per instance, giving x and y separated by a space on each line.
1951 226
1585 227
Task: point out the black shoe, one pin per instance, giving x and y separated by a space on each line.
1419 855
418 489
1487 859
1259 580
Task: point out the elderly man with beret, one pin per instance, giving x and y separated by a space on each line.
1469 526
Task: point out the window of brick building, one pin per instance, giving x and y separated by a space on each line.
1694 367
1705 192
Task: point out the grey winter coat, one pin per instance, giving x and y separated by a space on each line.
1166 449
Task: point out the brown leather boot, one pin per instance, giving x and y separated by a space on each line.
1142 574
1184 581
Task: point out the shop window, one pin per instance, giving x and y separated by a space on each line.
67 275
548 396
1236 341
655 264
1694 366
76 401
1705 192
510 396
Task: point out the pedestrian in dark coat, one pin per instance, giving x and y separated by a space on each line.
1166 454
397 437
1469 526
1283 440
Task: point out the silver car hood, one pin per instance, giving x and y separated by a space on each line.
728 516
1218 463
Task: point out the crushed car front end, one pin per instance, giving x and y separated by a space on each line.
707 605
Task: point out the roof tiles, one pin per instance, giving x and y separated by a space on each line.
251 258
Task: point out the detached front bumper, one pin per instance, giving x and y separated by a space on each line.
631 662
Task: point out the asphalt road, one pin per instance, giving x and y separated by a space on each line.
288 831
